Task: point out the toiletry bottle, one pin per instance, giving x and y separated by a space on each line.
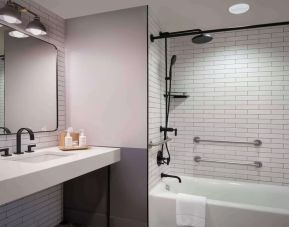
68 140
82 139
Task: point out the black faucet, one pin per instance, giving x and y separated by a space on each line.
29 147
172 176
18 138
6 130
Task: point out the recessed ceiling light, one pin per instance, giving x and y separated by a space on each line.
18 34
239 8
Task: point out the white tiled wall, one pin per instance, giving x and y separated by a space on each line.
239 91
156 98
43 208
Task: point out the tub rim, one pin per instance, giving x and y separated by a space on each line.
159 190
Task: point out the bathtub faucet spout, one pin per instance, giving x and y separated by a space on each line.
172 176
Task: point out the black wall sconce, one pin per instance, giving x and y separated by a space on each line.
11 13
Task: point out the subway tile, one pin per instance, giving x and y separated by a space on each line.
238 91
12 214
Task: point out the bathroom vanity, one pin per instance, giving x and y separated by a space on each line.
29 173
90 186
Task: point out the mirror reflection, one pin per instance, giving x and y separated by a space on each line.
28 82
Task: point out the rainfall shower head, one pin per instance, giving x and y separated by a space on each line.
202 38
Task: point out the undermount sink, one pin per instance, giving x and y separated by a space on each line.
39 157
25 174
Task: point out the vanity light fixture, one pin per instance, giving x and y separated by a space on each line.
36 27
11 13
239 8
17 34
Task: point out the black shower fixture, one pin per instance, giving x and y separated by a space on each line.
172 176
160 156
201 35
202 38
175 130
173 61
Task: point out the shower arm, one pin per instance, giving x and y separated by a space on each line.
166 35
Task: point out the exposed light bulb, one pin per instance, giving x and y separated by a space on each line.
35 31
10 19
10 13
18 34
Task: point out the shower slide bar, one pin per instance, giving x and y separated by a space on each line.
151 144
255 142
256 164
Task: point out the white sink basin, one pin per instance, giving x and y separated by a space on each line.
23 175
38 157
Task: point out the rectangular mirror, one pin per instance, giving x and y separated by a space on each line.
28 83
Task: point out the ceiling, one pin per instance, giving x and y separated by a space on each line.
176 15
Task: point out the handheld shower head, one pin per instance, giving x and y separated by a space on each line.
173 60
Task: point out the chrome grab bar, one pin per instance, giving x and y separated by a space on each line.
257 164
255 142
151 144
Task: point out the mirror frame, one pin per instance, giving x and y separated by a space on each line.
57 77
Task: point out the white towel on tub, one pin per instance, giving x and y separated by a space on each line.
191 210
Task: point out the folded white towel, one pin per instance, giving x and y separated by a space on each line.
191 210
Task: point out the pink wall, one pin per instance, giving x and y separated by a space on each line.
107 77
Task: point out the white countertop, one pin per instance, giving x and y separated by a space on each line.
19 179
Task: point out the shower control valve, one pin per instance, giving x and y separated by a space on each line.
163 129
161 160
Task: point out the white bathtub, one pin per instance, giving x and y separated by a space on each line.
229 203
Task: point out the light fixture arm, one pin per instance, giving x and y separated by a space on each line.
21 8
